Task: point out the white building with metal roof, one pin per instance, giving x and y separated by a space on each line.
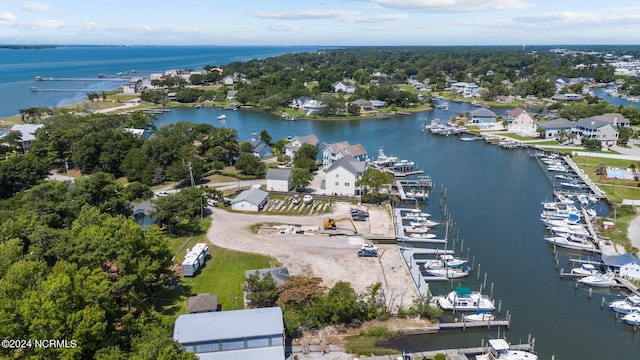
239 334
250 200
279 180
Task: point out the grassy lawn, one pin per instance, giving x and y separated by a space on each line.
365 343
517 137
615 189
222 275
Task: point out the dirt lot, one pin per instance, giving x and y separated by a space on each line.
333 258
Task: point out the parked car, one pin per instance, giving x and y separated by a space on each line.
212 202
367 253
368 247
296 199
307 199
358 218
359 212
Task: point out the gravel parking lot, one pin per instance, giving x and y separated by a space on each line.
333 258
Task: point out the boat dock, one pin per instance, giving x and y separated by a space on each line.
460 325
594 189
420 187
452 354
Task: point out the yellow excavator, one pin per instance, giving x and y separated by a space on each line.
330 224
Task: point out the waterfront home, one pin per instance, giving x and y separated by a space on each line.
521 122
260 148
341 176
312 107
592 129
553 127
482 116
27 134
231 94
279 180
615 119
141 132
467 90
250 200
299 102
296 142
365 105
625 265
236 334
336 151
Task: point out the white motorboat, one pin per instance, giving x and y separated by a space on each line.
598 280
221 117
479 316
572 185
499 350
558 168
416 229
571 242
426 222
632 318
561 222
585 270
444 261
449 273
576 230
463 299
562 211
422 236
627 305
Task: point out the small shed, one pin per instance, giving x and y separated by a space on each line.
194 259
202 303
279 180
250 200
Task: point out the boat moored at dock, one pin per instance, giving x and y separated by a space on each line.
463 299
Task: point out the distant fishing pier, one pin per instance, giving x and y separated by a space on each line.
80 83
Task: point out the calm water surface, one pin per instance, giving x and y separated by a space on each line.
494 197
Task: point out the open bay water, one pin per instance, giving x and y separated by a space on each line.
494 196
19 67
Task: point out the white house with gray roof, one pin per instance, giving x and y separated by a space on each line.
250 200
482 116
592 129
27 134
336 151
341 176
279 180
238 334
296 142
616 119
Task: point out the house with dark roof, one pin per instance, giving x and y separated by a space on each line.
616 119
335 151
342 174
260 148
250 200
482 116
279 179
202 303
592 129
296 142
237 334
553 127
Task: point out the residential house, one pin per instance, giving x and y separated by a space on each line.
333 152
592 129
299 102
296 142
312 106
567 97
553 127
365 105
279 180
625 265
237 334
615 119
260 148
27 134
378 104
231 94
521 122
250 200
141 132
202 303
482 116
341 176
467 90
228 80
346 88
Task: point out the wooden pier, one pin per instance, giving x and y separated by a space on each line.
584 177
452 354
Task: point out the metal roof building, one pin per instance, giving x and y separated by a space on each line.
239 335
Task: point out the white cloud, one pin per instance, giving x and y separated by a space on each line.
281 27
35 7
7 17
576 18
310 14
380 18
452 5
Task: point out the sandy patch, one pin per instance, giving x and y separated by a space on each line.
333 258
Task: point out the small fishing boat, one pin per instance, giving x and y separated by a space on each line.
499 350
480 316
463 299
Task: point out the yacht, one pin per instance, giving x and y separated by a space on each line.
444 261
599 280
627 305
463 299
585 270
632 318
571 242
499 350
479 316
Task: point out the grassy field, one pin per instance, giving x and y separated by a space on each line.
222 275
615 189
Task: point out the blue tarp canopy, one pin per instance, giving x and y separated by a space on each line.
463 290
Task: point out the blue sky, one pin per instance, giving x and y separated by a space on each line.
320 22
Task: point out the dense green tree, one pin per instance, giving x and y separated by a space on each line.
340 305
307 151
249 164
21 173
301 178
102 191
261 291
266 137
